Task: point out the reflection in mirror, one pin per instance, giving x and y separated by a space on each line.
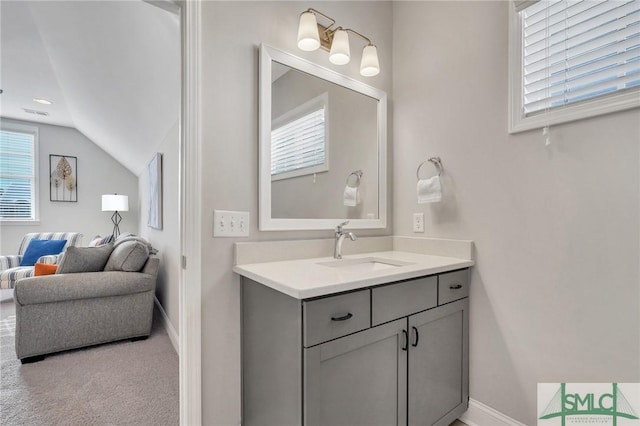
322 147
320 133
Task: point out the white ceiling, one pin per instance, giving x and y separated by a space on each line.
111 68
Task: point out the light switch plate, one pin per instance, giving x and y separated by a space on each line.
418 222
228 223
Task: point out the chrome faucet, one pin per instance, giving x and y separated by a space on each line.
340 234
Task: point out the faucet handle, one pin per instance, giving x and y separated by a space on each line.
339 228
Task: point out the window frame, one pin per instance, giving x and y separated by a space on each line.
314 104
35 132
518 122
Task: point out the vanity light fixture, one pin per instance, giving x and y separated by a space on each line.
340 53
369 66
308 37
312 35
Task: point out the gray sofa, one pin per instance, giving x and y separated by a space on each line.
67 311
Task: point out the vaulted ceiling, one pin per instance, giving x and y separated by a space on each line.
111 69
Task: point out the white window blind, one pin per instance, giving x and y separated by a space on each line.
17 175
578 50
299 145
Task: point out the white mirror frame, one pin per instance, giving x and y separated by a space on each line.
268 223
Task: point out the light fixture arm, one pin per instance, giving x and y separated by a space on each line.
324 32
315 12
369 43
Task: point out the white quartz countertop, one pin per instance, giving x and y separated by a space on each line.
307 278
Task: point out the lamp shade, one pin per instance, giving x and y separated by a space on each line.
369 65
115 203
308 37
340 53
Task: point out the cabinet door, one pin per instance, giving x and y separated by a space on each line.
438 364
359 379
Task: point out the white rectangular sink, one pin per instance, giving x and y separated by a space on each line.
365 264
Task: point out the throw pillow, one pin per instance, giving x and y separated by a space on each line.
100 241
38 248
106 240
44 269
84 259
129 256
95 241
130 237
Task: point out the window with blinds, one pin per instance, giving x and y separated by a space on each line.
582 53
17 174
299 141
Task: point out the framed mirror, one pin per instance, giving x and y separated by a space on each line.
323 147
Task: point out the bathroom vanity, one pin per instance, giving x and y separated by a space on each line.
379 337
373 339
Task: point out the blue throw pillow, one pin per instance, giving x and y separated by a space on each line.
38 248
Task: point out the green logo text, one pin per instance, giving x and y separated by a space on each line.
565 404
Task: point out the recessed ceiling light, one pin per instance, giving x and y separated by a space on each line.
42 101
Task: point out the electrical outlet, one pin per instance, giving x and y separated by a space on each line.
230 224
418 222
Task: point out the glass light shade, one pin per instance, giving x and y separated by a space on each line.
369 65
115 203
308 37
340 53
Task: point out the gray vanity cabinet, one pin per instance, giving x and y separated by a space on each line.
438 364
395 354
360 379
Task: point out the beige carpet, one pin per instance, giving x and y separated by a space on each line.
122 383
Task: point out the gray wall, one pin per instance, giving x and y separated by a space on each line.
98 173
353 143
167 239
232 32
555 294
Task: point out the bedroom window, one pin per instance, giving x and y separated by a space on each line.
300 140
18 173
572 59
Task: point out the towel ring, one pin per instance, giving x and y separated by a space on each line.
358 175
436 162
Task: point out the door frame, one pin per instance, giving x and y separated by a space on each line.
190 217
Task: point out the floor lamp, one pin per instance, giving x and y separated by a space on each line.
115 203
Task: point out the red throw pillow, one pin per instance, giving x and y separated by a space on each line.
44 269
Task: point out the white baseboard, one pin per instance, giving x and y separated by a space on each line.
480 414
173 336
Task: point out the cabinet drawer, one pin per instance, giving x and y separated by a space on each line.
336 316
453 286
403 299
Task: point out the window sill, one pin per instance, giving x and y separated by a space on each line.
599 106
4 222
